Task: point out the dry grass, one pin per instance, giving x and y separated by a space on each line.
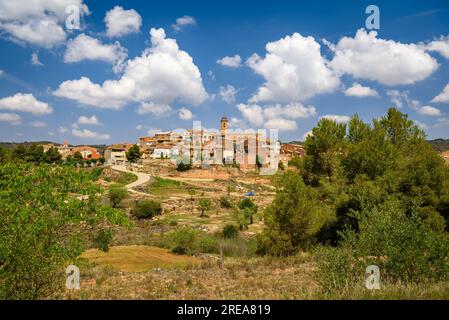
138 258
257 278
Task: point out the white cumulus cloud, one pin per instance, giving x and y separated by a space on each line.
230 61
25 102
182 22
35 60
386 61
357 90
337 118
37 22
440 45
84 47
162 74
88 134
293 69
227 93
443 97
185 114
120 22
281 117
153 108
429 111
92 120
11 118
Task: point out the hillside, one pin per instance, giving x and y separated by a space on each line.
440 144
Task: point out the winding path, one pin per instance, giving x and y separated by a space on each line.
141 178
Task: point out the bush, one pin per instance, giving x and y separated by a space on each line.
230 231
102 240
404 247
96 173
207 244
117 193
225 203
181 167
183 240
147 209
204 205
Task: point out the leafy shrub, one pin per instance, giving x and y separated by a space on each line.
404 247
102 240
207 244
183 240
230 231
204 205
117 193
96 173
225 203
147 209
181 166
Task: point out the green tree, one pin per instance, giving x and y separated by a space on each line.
35 154
191 192
294 218
53 155
19 152
324 148
78 157
117 193
133 154
4 155
249 208
44 224
204 205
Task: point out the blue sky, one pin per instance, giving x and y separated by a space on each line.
114 81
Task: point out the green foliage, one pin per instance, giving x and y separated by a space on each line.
225 203
323 150
404 247
102 240
293 219
5 154
183 240
191 192
147 209
181 166
230 231
35 154
296 162
78 157
43 225
281 165
245 211
53 156
204 205
96 173
133 154
117 193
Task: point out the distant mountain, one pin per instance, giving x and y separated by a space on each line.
440 144
11 145
295 142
